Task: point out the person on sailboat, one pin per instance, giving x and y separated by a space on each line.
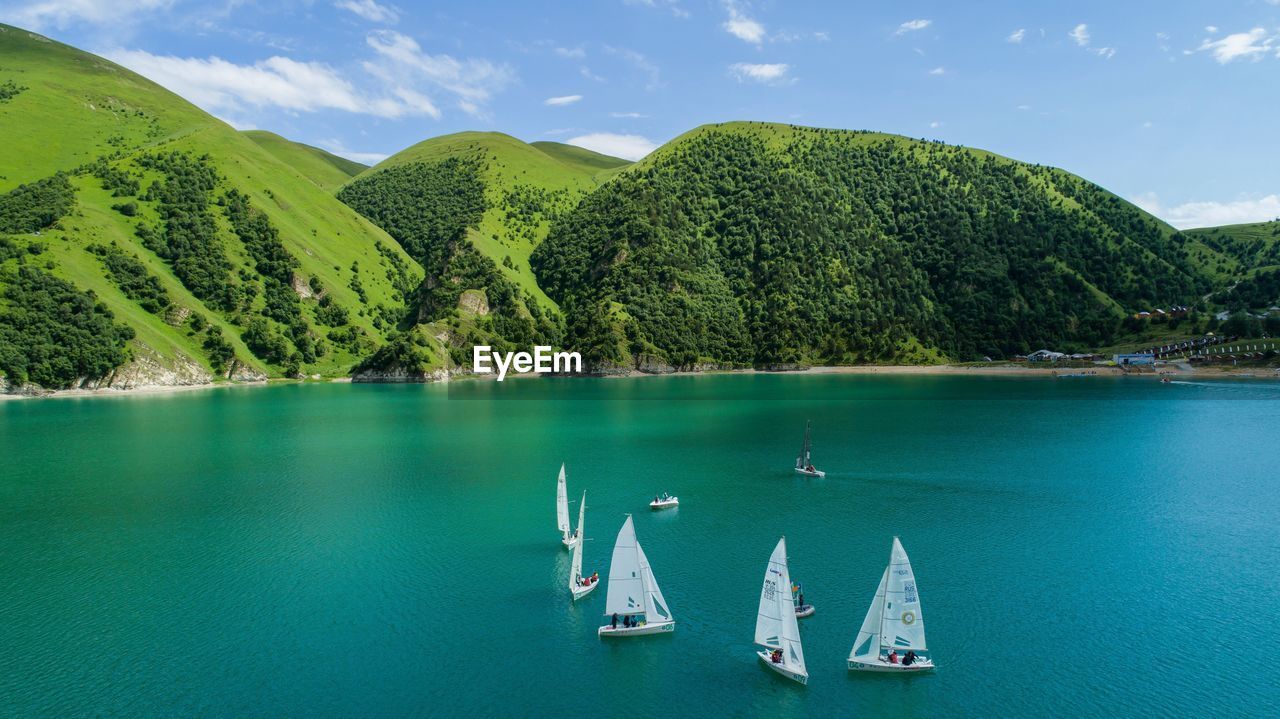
615 620
776 656
910 658
893 656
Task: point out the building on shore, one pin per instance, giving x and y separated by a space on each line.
1127 360
1045 356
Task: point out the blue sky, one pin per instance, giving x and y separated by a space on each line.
1172 105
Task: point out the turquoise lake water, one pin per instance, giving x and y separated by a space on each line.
1090 547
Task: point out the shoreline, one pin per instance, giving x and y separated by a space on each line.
995 370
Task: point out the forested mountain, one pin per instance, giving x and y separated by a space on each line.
760 244
471 208
144 241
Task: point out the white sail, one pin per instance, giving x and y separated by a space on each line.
562 505
867 645
776 625
626 593
575 571
655 605
902 625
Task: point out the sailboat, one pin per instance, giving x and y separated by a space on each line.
567 538
578 585
804 464
634 603
894 622
776 627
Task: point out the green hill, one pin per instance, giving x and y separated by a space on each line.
218 258
580 157
1244 260
323 168
763 244
471 207
526 187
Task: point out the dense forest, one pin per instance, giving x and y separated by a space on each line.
51 333
428 207
786 245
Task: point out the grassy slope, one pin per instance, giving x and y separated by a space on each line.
79 107
323 168
1232 252
580 157
510 163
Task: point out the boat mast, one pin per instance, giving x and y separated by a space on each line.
885 601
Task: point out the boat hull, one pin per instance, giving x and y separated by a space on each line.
807 473
582 591
880 665
568 542
781 669
642 630
804 611
669 504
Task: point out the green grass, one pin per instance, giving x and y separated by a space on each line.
509 164
1232 252
78 107
580 157
323 168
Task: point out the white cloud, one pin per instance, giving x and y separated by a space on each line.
335 146
1210 214
628 147
369 10
1080 34
627 115
760 72
912 26
1017 35
1024 107
935 124
561 100
63 13
575 53
403 65
1211 29
218 85
1253 45
938 71
671 5
403 80
741 26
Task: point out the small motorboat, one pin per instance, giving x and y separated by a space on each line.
797 598
665 501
